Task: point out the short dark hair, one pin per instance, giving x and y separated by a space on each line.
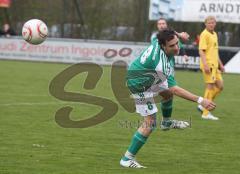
162 19
165 35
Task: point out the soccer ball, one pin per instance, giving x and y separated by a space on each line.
34 31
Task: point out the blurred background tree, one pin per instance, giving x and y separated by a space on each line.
125 20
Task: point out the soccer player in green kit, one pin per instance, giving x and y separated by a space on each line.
166 106
148 76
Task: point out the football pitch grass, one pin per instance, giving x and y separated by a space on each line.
32 142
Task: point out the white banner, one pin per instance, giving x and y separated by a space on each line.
69 51
233 66
99 52
197 10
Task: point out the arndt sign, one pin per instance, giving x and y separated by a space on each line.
224 10
227 11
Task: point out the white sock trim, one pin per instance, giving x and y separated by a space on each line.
129 155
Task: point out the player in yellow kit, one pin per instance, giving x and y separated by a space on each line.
210 64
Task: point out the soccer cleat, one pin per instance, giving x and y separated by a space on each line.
209 116
131 164
173 124
200 108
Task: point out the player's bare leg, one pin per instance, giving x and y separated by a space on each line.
138 140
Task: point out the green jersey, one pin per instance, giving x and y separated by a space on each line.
152 67
171 80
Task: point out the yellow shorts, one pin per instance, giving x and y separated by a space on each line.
213 76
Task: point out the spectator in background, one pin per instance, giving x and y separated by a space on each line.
183 36
7 31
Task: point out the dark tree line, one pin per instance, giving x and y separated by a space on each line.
101 19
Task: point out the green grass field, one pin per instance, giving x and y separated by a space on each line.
32 142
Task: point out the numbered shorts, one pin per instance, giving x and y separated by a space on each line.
213 76
144 101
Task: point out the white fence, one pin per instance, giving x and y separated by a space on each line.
99 52
70 51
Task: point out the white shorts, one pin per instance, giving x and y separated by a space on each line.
145 104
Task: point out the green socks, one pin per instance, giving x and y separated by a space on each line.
166 108
138 141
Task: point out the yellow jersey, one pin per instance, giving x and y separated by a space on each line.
209 43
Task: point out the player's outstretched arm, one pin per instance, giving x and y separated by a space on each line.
180 92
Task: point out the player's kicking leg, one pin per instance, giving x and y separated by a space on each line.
147 108
138 140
